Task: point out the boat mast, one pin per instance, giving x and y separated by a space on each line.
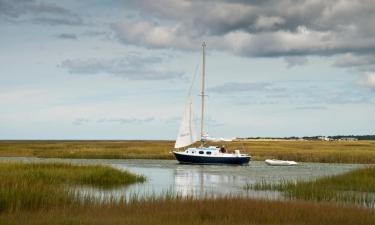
202 92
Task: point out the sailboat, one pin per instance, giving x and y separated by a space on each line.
187 136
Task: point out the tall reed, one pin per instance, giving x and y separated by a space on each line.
357 186
178 211
42 185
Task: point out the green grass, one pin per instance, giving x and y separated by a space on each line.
42 185
301 151
357 186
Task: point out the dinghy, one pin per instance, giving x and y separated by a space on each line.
275 162
187 136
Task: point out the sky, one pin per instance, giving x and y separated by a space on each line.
121 69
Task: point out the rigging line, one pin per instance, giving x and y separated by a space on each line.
193 80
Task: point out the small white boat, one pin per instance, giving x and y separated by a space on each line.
275 162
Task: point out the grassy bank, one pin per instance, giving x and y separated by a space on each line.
88 149
230 211
357 186
44 185
302 151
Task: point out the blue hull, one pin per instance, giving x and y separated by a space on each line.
211 159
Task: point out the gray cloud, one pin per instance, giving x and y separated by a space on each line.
133 67
364 65
310 108
353 60
301 93
253 28
94 33
130 120
69 21
239 87
295 61
38 12
126 120
81 121
67 36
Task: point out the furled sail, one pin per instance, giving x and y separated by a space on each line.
187 134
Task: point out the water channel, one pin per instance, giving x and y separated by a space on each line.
168 176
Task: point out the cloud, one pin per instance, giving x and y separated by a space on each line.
364 65
352 60
368 80
253 28
133 67
310 108
126 120
95 33
267 22
301 93
69 21
295 61
67 36
129 120
239 87
150 35
81 121
38 12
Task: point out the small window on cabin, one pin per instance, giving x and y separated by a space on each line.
208 153
187 151
201 152
193 152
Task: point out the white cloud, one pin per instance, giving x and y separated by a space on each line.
268 22
368 80
150 35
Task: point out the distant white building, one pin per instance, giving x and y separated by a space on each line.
324 138
348 139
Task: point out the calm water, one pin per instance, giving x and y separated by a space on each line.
168 176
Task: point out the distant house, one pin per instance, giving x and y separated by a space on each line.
324 138
348 139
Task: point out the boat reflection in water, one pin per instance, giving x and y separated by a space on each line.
198 182
212 181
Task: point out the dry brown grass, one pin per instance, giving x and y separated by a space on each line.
229 211
302 151
312 151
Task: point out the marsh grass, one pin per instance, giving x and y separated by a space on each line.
301 151
36 194
176 211
357 186
42 185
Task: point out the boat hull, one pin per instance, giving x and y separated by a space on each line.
280 162
196 159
